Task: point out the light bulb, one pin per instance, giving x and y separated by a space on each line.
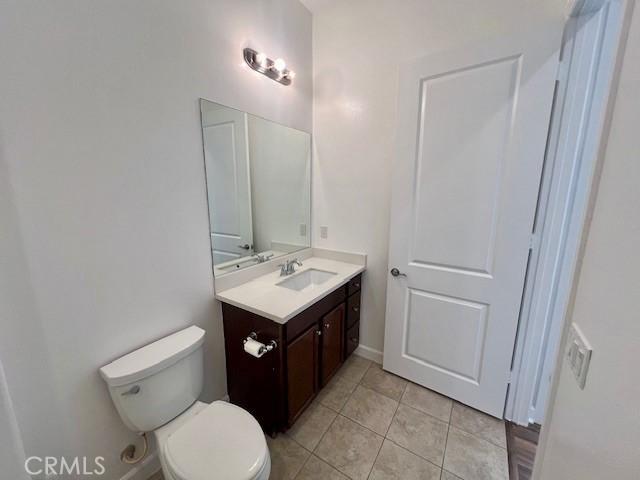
279 65
261 58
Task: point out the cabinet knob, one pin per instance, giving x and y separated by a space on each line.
318 332
357 285
353 339
356 309
327 325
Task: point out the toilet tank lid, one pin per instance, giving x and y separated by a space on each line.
152 358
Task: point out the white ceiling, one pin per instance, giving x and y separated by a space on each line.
316 5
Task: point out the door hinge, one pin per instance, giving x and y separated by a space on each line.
509 377
534 241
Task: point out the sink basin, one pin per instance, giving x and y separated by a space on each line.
307 279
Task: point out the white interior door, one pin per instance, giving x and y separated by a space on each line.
472 131
226 154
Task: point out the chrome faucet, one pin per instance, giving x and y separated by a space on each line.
288 267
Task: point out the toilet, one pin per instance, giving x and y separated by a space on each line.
156 389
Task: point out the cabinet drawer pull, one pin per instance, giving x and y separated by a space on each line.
356 309
357 285
354 339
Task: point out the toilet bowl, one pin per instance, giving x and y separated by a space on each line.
155 389
219 438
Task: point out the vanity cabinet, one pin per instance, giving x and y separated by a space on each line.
277 387
303 364
332 331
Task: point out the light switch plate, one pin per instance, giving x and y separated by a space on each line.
578 354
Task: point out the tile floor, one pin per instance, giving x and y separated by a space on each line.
370 424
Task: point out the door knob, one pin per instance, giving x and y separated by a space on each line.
246 246
397 273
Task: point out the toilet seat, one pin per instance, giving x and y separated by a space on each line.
222 441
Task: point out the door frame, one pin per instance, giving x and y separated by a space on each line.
586 78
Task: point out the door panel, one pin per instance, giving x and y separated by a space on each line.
302 372
227 168
332 341
445 334
471 141
462 235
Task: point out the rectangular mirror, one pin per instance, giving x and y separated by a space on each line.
258 176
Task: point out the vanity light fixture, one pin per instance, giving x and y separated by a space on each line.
274 69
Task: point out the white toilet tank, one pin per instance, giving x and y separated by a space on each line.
154 384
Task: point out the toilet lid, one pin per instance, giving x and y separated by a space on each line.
222 441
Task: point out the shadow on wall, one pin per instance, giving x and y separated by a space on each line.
28 376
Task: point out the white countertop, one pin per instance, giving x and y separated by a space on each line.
263 297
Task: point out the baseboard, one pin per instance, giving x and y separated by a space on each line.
147 467
369 353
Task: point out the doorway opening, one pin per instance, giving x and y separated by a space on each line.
586 75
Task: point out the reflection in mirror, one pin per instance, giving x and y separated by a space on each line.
258 177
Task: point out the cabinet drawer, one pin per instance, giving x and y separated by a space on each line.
354 285
352 340
353 309
311 315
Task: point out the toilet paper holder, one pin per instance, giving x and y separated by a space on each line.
265 348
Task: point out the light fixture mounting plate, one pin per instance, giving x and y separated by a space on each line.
268 69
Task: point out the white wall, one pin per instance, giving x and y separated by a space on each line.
357 51
593 433
11 449
105 239
280 184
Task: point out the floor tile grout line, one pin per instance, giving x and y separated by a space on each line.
325 433
376 459
424 413
446 442
304 464
414 453
384 437
458 427
478 437
338 414
394 414
334 466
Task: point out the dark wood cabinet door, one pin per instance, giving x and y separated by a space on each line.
302 372
332 341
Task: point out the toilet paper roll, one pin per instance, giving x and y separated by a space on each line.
254 348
